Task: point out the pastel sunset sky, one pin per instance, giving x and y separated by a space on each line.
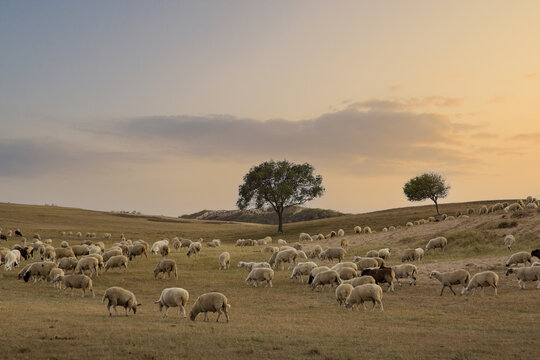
163 106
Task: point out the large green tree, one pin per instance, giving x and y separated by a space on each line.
279 184
426 186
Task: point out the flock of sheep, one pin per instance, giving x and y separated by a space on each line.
357 281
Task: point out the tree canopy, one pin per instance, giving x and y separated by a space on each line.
279 184
426 186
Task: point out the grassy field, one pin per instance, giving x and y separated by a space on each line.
288 321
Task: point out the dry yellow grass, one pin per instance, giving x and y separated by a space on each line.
287 321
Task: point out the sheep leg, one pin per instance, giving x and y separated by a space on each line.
83 292
109 308
399 283
115 310
538 286
521 284
218 315
93 294
363 305
165 312
127 311
380 304
183 311
226 313
453 292
373 307
205 316
495 287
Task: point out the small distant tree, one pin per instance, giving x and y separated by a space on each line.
279 184
426 186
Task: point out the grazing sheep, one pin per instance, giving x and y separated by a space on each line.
380 261
331 234
69 263
270 249
357 230
281 242
261 242
175 243
365 262
156 246
185 243
344 243
372 253
302 268
342 293
12 259
513 207
87 264
329 277
210 302
217 242
332 253
384 253
531 206
224 260
345 264
315 271
391 228
259 275
304 237
483 210
82 282
194 249
297 246
361 280
367 230
458 277
366 292
521 257
23 270
285 256
470 211
164 250
340 232
118 296
408 255
99 258
409 224
211 244
315 252
173 297
525 274
117 261
419 253
405 271
509 240
438 242
483 280
347 273
80 250
63 252
166 266
253 265
381 276
384 229
39 271
137 250
52 276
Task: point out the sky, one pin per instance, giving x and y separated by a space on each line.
162 107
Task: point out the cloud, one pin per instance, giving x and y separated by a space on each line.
403 104
31 157
383 139
532 137
531 75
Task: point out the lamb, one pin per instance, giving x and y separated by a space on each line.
521 257
82 282
69 263
342 293
260 274
365 262
482 279
340 233
137 250
404 271
419 253
525 274
194 249
438 242
288 256
509 240
366 292
253 265
344 243
119 296
87 263
39 270
361 280
117 261
12 259
367 230
372 253
329 277
302 268
315 252
381 276
357 230
458 277
210 302
304 237
347 273
384 253
173 297
332 253
224 260
52 276
166 266
63 253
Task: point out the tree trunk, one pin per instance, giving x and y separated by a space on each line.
437 207
280 221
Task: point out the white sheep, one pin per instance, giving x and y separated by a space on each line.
173 297
342 293
365 262
438 242
345 264
329 277
166 266
281 242
286 256
117 261
521 257
509 240
315 252
87 264
372 253
52 276
409 224
305 237
357 230
391 228
302 268
361 280
340 232
483 280
156 246
117 296
367 230
384 253
366 292
404 271
210 302
259 275
194 249
69 263
12 259
82 282
224 260
332 253
525 274
458 277
347 273
253 265
482 210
